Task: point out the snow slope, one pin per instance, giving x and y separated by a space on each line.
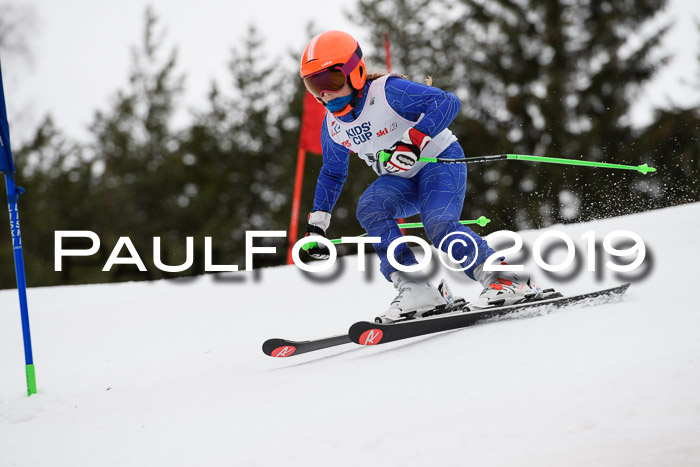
171 372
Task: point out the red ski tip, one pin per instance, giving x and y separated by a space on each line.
284 351
371 337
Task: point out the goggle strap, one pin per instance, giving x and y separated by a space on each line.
352 63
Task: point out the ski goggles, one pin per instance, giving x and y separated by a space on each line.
334 78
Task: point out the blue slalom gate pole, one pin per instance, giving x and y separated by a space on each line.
7 167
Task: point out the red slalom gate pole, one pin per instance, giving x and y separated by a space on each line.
387 51
296 200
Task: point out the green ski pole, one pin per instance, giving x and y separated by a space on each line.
482 221
644 168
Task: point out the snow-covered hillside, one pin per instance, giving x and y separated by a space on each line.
172 372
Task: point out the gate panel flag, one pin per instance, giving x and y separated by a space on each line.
311 123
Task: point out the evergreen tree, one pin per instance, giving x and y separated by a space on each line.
672 140
544 77
134 155
239 155
56 175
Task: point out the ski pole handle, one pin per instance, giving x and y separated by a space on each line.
481 221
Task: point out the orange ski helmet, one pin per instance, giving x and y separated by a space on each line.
329 60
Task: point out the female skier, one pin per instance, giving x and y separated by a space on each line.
407 120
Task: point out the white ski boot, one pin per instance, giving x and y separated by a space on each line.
502 288
416 297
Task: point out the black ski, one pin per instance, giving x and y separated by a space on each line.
287 348
366 333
